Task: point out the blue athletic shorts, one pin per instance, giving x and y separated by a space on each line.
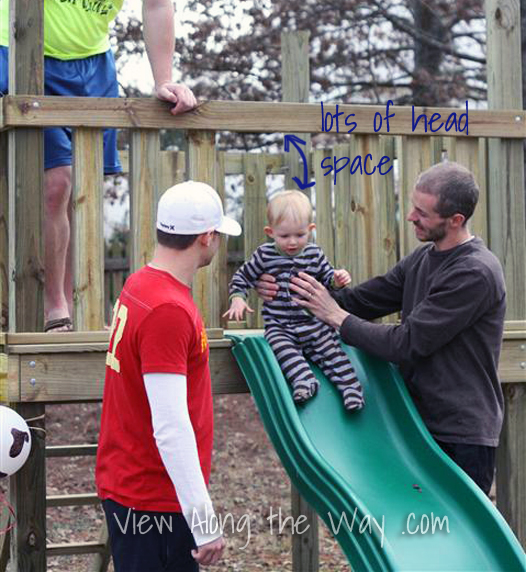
89 77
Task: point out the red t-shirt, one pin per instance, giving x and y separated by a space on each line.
156 328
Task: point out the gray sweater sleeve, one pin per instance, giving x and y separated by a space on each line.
453 304
377 297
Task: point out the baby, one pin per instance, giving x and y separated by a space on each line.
293 333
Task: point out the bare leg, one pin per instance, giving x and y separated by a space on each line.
57 193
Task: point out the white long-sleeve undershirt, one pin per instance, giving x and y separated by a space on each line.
175 439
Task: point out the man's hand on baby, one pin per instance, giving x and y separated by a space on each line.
266 287
237 309
342 278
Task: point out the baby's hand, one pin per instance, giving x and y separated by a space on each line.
237 309
342 278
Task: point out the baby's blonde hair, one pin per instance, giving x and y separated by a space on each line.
292 205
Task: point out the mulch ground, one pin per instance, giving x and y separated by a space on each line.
248 483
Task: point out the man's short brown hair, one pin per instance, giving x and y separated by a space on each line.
176 241
455 187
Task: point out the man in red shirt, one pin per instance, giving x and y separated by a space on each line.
155 444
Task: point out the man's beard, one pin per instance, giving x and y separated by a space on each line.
433 234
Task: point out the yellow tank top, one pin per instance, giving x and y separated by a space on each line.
73 29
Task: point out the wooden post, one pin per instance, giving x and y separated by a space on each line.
507 238
511 460
202 166
506 198
26 154
295 83
88 230
4 233
26 69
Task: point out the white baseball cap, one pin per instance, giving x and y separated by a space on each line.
193 208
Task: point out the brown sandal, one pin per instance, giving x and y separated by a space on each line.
59 323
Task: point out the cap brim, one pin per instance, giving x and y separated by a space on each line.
229 226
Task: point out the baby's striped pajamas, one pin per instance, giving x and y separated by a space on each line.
294 333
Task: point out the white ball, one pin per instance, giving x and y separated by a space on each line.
15 441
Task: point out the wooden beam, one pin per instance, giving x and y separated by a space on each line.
242 116
69 339
62 376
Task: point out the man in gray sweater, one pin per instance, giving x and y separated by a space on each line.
451 295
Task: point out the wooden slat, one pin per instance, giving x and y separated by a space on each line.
324 211
74 548
202 166
507 208
416 154
221 265
240 116
144 175
72 500
254 221
472 154
514 326
88 230
342 208
173 167
87 450
372 212
234 163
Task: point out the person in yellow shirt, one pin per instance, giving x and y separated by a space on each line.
78 62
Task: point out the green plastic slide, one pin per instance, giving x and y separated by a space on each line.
389 495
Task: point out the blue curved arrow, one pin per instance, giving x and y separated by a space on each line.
296 141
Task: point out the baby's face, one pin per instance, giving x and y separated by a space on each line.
290 235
